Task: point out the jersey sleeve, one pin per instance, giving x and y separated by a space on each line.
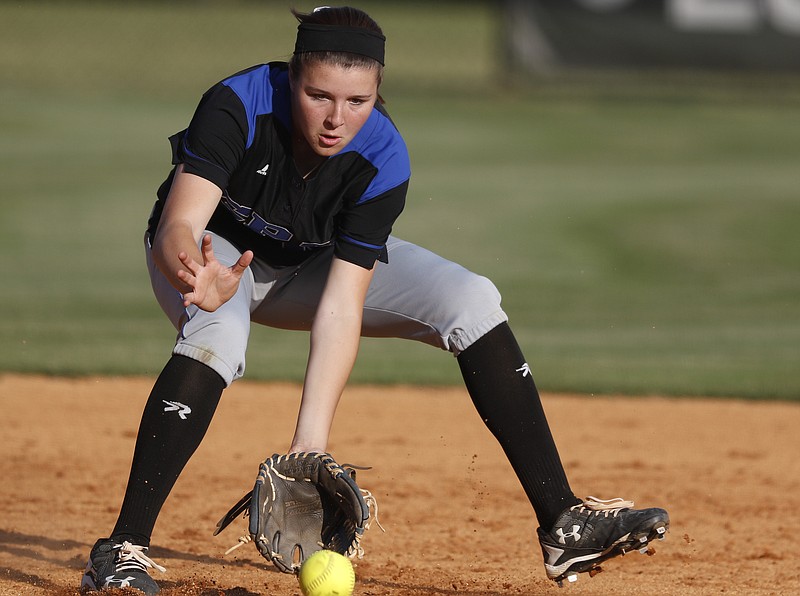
364 229
215 141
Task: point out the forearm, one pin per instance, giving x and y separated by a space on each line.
334 345
188 207
171 239
335 336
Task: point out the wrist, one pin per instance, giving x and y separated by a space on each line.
299 447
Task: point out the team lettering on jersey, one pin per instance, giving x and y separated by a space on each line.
254 221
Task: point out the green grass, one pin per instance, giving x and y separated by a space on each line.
642 230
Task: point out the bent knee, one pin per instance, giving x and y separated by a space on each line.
469 292
480 292
475 306
218 340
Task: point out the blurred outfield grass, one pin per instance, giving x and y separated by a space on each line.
642 228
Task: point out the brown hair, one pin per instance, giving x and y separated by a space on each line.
343 16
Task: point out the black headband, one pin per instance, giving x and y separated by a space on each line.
332 38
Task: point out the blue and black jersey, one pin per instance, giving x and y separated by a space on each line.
239 139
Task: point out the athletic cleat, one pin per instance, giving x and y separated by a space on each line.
594 531
115 565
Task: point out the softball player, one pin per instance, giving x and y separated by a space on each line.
279 211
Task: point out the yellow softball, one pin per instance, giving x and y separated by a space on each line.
327 573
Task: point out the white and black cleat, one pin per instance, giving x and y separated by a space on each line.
588 534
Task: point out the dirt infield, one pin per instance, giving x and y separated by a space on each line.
456 520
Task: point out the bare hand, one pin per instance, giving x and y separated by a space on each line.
212 283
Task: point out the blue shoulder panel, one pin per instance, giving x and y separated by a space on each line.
254 88
380 143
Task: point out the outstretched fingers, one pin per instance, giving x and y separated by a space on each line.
188 275
243 263
211 283
207 249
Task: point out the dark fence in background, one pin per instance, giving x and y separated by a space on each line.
543 36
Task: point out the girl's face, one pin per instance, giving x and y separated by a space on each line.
330 104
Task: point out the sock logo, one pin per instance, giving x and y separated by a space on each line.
574 534
524 369
176 406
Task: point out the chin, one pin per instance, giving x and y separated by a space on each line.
329 151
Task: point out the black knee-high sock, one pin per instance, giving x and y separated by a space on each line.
501 386
174 422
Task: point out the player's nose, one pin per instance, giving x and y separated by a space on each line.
335 117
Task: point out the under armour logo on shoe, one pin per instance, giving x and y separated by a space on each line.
524 369
574 534
122 582
176 406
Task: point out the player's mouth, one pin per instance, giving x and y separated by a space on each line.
329 140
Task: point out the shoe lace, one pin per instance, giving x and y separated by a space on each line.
603 507
131 557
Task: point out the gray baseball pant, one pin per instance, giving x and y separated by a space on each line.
417 295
